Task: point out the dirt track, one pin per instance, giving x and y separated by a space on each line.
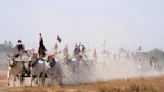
149 84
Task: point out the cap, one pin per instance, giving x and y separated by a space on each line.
19 41
50 56
34 54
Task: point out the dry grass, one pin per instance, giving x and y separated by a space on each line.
54 88
146 84
153 84
25 89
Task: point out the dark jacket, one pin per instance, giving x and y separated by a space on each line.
42 48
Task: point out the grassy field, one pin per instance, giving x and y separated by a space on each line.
142 84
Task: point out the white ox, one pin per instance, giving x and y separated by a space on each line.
15 70
54 71
70 65
37 68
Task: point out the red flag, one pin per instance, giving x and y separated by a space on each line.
58 38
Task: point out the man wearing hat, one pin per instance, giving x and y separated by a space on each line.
20 49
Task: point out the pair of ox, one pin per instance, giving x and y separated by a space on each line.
39 69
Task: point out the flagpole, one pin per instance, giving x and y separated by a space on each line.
104 49
88 47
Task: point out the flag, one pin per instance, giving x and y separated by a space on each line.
58 39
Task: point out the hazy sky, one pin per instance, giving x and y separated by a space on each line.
123 23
